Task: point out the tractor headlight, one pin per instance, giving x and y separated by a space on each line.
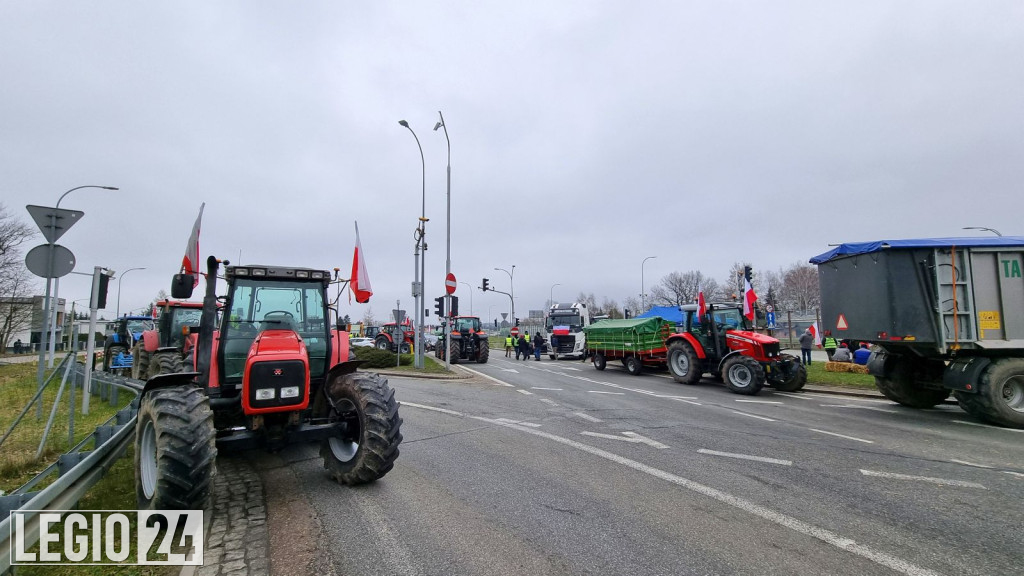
290 392
266 394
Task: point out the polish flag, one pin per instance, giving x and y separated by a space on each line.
360 283
702 307
190 263
748 300
816 333
154 310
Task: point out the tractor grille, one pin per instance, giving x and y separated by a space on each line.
771 350
277 375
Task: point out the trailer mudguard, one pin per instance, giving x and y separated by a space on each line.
964 374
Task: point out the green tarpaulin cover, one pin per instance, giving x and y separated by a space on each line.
634 334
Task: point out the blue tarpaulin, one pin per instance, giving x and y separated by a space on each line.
853 248
671 313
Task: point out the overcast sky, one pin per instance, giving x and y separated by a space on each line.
585 136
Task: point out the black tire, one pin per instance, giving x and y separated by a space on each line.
1000 396
364 449
483 353
599 361
382 344
633 365
743 375
175 452
791 375
455 350
110 354
552 357
683 363
901 388
140 366
405 348
165 363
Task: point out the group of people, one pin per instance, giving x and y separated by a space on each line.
837 351
524 346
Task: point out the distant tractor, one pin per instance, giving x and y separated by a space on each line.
387 335
162 349
125 334
269 369
466 340
719 343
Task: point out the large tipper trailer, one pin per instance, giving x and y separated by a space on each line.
941 314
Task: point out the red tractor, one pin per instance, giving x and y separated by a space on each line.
466 340
268 369
385 338
720 343
161 350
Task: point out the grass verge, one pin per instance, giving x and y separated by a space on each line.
816 374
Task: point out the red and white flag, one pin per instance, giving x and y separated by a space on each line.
702 307
749 297
360 280
816 333
154 310
190 263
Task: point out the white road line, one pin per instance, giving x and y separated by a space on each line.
512 370
431 408
1018 474
587 417
567 368
789 395
520 422
675 397
552 389
813 396
746 457
527 392
861 407
842 436
970 464
987 426
549 401
752 416
645 440
961 483
630 437
760 401
689 401
488 376
603 392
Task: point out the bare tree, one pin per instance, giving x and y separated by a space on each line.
589 300
611 308
677 288
631 303
15 279
800 291
368 319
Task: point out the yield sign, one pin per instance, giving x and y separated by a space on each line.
64 220
841 323
450 283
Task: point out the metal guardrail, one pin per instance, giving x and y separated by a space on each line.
78 469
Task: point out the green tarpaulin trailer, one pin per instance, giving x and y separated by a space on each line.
636 342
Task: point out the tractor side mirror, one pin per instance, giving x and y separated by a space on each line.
182 285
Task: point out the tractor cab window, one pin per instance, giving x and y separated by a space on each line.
138 326
183 317
470 324
257 305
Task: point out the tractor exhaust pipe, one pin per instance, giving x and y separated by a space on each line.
207 324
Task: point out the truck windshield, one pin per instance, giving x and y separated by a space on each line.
573 321
256 305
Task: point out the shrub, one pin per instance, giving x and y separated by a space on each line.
375 358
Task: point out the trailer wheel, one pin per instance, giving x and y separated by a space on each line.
683 363
483 352
365 445
599 361
1000 397
174 450
792 374
743 375
901 388
633 365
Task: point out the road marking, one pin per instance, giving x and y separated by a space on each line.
587 417
431 408
1018 474
552 389
789 395
520 422
970 464
812 396
569 368
603 392
746 457
752 416
961 483
527 392
987 426
760 401
631 437
861 407
512 370
675 397
842 436
488 376
548 401
688 401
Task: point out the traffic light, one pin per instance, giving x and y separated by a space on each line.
485 286
747 273
626 313
454 306
517 322
439 306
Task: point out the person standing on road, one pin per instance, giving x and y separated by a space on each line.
510 343
523 348
830 344
538 343
806 342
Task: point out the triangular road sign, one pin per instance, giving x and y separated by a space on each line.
65 220
841 323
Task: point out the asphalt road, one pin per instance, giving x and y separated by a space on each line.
556 468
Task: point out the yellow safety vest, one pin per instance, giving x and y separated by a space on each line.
527 337
829 342
508 342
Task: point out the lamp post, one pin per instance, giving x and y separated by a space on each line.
47 317
992 230
419 257
470 296
551 298
448 235
512 290
643 297
117 312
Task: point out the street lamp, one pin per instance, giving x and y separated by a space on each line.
512 290
470 296
117 312
49 317
992 230
551 299
419 257
448 236
643 297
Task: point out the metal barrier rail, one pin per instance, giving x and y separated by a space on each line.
78 469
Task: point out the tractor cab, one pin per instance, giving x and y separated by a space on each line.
465 340
466 324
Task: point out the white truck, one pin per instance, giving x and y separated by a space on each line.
564 330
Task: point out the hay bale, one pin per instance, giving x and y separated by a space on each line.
845 367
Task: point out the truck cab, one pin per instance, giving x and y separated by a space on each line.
564 330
